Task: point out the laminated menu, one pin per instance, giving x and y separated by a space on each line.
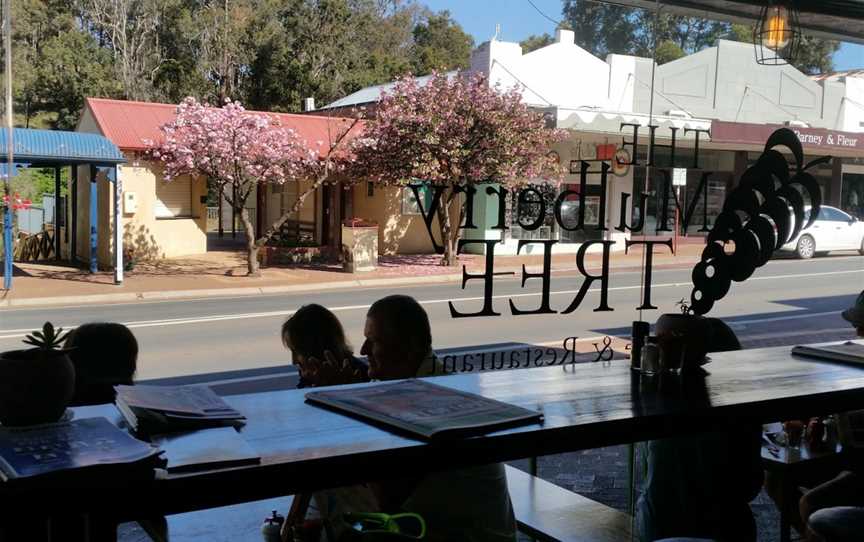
423 409
161 409
87 443
848 352
218 447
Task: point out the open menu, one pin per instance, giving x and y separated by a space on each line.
423 409
37 450
848 352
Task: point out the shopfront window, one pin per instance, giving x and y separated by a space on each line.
852 199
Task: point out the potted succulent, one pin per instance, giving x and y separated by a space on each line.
683 336
36 383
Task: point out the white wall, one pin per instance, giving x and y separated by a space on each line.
852 108
561 74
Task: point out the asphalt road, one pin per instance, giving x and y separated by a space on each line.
786 300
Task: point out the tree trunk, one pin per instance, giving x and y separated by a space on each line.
251 246
449 233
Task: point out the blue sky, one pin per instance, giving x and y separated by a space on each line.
519 20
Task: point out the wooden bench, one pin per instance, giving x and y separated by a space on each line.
548 512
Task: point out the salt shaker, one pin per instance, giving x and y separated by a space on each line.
271 531
640 334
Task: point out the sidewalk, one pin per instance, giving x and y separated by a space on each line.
222 273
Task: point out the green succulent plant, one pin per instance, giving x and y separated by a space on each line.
47 339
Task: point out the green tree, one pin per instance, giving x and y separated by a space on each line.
73 67
532 42
440 44
56 64
601 28
667 51
326 49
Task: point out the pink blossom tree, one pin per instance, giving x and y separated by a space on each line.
237 151
454 133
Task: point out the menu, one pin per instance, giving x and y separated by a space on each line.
423 409
90 442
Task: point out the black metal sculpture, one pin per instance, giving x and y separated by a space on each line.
764 212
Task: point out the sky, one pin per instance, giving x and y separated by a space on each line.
518 20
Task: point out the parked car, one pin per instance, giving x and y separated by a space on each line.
832 230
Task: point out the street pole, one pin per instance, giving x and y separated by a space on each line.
10 164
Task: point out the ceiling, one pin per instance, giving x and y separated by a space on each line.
834 19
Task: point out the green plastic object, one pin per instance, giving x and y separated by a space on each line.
379 526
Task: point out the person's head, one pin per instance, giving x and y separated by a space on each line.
398 337
104 354
855 315
312 331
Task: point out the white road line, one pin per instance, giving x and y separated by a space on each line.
18 333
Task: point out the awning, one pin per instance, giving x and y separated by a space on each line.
51 148
609 122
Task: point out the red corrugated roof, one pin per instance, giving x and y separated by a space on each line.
128 124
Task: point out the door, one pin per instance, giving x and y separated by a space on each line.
326 229
821 231
838 232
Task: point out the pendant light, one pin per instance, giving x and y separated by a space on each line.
777 34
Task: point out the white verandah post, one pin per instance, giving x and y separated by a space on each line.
114 177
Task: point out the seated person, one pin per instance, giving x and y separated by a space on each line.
701 486
104 354
834 511
316 340
399 345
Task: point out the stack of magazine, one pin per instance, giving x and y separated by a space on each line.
164 409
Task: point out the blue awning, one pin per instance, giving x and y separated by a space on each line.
51 148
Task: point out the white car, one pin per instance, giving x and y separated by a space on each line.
832 230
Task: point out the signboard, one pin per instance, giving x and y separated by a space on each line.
811 138
679 176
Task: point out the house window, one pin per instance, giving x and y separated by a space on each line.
370 189
174 198
409 202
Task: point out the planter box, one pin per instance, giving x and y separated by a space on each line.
359 248
268 256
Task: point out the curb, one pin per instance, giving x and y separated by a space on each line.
157 295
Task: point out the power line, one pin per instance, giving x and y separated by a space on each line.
538 10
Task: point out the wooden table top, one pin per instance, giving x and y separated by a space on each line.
304 447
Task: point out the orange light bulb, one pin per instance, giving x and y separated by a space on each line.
777 29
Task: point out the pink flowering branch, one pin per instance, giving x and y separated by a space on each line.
236 151
454 131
